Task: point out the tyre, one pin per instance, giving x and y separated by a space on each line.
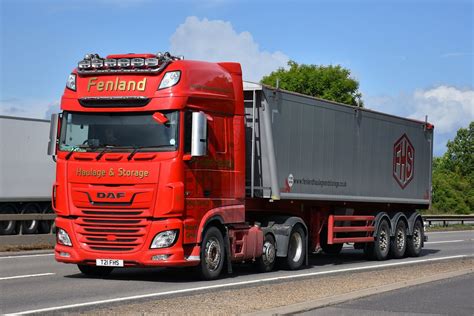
94 270
7 227
333 249
267 261
415 241
398 244
296 249
379 249
46 227
30 227
212 254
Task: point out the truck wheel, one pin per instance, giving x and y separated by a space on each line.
267 261
333 249
30 227
95 271
7 227
46 227
379 249
212 254
415 241
296 249
398 245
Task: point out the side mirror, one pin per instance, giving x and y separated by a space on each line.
199 134
53 134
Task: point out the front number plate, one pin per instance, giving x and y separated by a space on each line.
109 263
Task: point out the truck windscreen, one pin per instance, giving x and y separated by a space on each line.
129 131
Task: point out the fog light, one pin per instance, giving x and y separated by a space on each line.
63 238
160 257
64 254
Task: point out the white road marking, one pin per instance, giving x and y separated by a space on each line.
445 241
26 276
28 256
451 232
234 284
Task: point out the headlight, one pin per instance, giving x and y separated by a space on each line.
170 79
63 238
164 239
71 82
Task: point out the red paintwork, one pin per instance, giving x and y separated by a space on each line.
176 194
367 228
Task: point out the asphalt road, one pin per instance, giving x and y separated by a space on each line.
36 283
446 297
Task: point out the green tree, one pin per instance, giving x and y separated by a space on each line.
453 175
327 82
460 154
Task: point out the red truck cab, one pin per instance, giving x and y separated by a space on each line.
134 185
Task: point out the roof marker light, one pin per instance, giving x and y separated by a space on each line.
151 62
97 63
84 64
138 62
124 62
110 63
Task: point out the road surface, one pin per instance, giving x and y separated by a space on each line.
36 283
446 297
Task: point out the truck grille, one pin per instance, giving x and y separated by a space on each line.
111 234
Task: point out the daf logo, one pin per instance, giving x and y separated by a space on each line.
110 195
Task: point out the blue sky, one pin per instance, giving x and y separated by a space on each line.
411 57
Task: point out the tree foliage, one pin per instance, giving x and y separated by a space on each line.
453 175
332 83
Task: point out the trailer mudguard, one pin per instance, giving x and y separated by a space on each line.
394 220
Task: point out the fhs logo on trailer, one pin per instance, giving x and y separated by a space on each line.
403 161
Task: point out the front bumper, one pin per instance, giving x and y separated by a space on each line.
178 255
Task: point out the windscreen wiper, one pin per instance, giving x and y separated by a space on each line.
75 148
106 149
139 148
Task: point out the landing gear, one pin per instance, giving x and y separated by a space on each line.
333 249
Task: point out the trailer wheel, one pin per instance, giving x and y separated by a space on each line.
296 249
333 249
8 227
267 261
212 254
46 226
415 241
30 227
95 271
398 244
379 249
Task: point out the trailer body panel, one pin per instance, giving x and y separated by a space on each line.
333 152
26 171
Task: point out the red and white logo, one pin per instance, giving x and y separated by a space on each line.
403 161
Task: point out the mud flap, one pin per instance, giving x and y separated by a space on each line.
227 252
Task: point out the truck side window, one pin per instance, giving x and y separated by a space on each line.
188 125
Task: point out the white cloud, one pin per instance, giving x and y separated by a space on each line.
448 108
216 40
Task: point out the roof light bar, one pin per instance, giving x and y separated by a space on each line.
93 63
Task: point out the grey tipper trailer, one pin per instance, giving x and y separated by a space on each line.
306 148
26 173
334 174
